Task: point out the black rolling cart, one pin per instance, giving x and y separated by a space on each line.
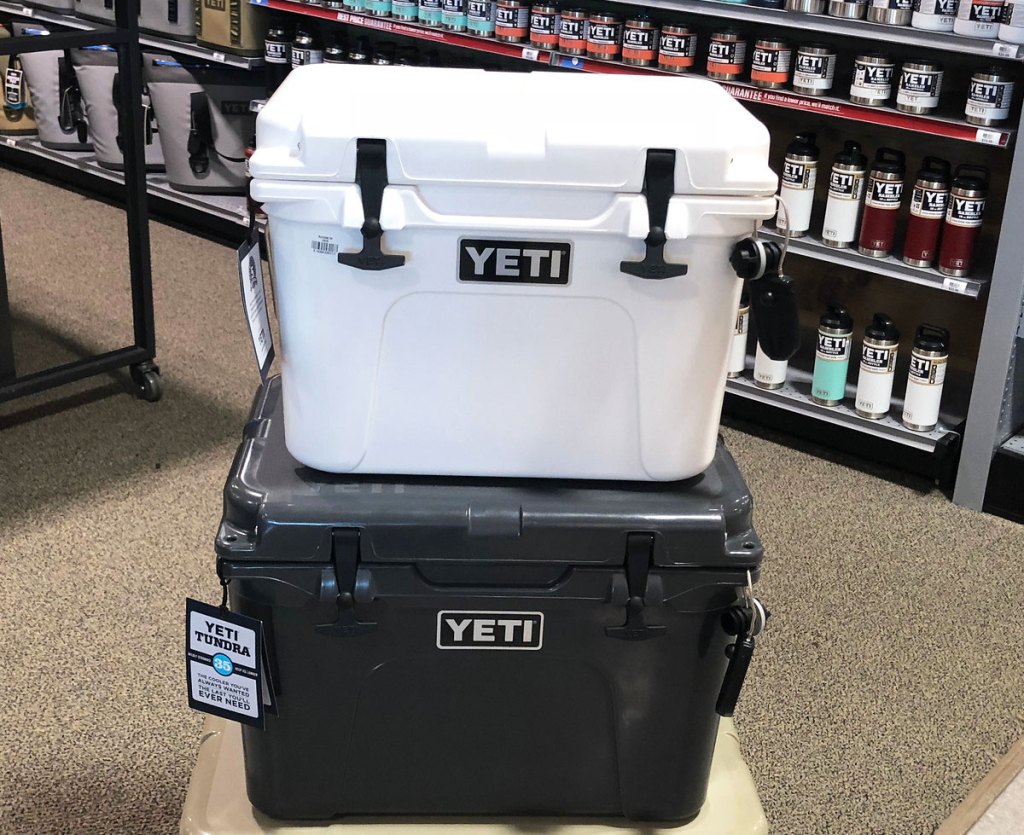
139 357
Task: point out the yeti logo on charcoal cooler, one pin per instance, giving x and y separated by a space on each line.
519 262
490 630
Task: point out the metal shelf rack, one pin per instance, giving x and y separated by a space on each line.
138 357
165 44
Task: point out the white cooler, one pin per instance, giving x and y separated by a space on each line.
511 319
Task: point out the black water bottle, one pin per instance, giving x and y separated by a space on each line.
277 52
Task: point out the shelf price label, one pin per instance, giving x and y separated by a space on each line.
954 285
10 141
220 56
27 12
988 137
1005 50
531 54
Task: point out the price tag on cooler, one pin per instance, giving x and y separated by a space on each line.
254 300
226 663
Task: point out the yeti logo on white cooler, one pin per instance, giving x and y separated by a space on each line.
490 630
517 262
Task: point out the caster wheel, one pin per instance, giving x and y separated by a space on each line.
151 387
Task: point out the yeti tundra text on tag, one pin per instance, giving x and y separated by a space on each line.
490 630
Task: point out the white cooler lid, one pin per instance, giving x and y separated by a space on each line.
467 126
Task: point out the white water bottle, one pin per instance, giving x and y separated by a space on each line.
928 361
738 346
845 195
796 191
877 367
769 373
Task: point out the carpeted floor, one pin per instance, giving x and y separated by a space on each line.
888 684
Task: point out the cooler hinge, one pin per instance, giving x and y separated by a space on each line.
345 557
639 559
659 186
372 179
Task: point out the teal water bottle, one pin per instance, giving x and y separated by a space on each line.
832 358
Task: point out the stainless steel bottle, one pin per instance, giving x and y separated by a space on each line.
891 12
832 356
796 189
928 360
805 6
848 8
871 84
815 70
877 368
845 194
989 98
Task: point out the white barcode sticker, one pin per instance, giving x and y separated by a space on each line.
27 12
988 137
955 285
1005 50
324 245
219 56
11 141
531 54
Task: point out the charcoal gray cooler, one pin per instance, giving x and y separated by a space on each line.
99 82
455 646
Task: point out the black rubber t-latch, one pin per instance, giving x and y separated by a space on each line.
372 179
659 186
345 556
639 556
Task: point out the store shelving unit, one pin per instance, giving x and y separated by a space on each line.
223 207
997 402
151 41
936 450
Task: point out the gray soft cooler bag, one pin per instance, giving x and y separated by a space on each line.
60 116
205 121
96 69
169 18
101 10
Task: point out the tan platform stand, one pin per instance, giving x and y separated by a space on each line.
217 805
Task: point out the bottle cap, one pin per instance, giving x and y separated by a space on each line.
837 317
882 329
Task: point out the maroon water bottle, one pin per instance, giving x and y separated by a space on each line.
882 203
927 211
963 219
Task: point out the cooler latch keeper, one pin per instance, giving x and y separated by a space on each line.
639 558
345 557
659 186
372 179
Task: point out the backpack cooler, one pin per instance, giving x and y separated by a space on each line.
60 116
101 11
17 116
174 19
481 290
98 79
205 121
483 646
234 26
